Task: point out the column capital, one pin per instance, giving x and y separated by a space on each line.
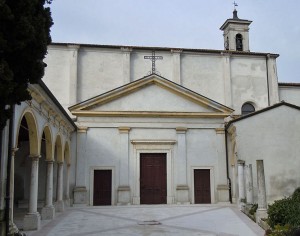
181 130
13 151
220 130
124 130
240 162
177 50
73 46
126 49
50 161
82 129
35 157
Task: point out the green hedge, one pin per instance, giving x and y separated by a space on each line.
285 212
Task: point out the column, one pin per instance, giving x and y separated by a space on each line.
126 64
222 183
176 66
32 219
60 183
241 181
80 190
73 74
68 185
12 227
182 189
249 184
48 211
123 188
227 79
261 191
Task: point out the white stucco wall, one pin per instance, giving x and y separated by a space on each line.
272 136
290 94
75 74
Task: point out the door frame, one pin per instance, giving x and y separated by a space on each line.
212 182
92 169
157 146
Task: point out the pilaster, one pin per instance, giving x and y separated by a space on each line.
124 189
80 190
182 188
176 65
227 79
222 186
126 64
272 80
73 73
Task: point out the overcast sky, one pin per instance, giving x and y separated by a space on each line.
182 23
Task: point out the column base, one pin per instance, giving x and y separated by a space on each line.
182 192
48 213
223 193
13 229
60 206
32 221
123 195
80 196
261 214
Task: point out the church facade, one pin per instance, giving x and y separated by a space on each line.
171 125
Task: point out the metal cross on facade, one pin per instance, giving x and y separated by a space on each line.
153 58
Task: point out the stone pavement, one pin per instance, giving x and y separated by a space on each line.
151 220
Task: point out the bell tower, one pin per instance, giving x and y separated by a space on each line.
236 33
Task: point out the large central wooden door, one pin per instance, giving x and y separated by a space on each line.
153 178
202 186
102 187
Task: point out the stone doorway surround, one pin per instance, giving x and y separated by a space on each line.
92 171
212 182
152 146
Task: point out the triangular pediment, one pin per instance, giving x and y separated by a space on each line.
151 96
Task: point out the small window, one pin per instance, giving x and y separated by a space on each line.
247 108
239 42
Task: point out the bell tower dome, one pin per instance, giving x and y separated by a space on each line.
236 33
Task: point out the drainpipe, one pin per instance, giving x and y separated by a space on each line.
227 170
9 150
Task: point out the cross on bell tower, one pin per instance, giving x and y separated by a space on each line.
153 58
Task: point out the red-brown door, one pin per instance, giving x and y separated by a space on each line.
102 187
202 186
153 179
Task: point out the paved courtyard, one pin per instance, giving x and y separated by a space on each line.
152 220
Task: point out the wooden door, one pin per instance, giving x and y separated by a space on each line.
102 187
202 186
153 178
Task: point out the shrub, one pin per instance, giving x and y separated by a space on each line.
296 195
285 212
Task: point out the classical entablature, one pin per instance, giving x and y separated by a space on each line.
151 96
45 107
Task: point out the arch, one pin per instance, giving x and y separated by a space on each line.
67 154
59 149
239 42
34 149
48 139
247 108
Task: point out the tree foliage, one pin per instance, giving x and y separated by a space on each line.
24 36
